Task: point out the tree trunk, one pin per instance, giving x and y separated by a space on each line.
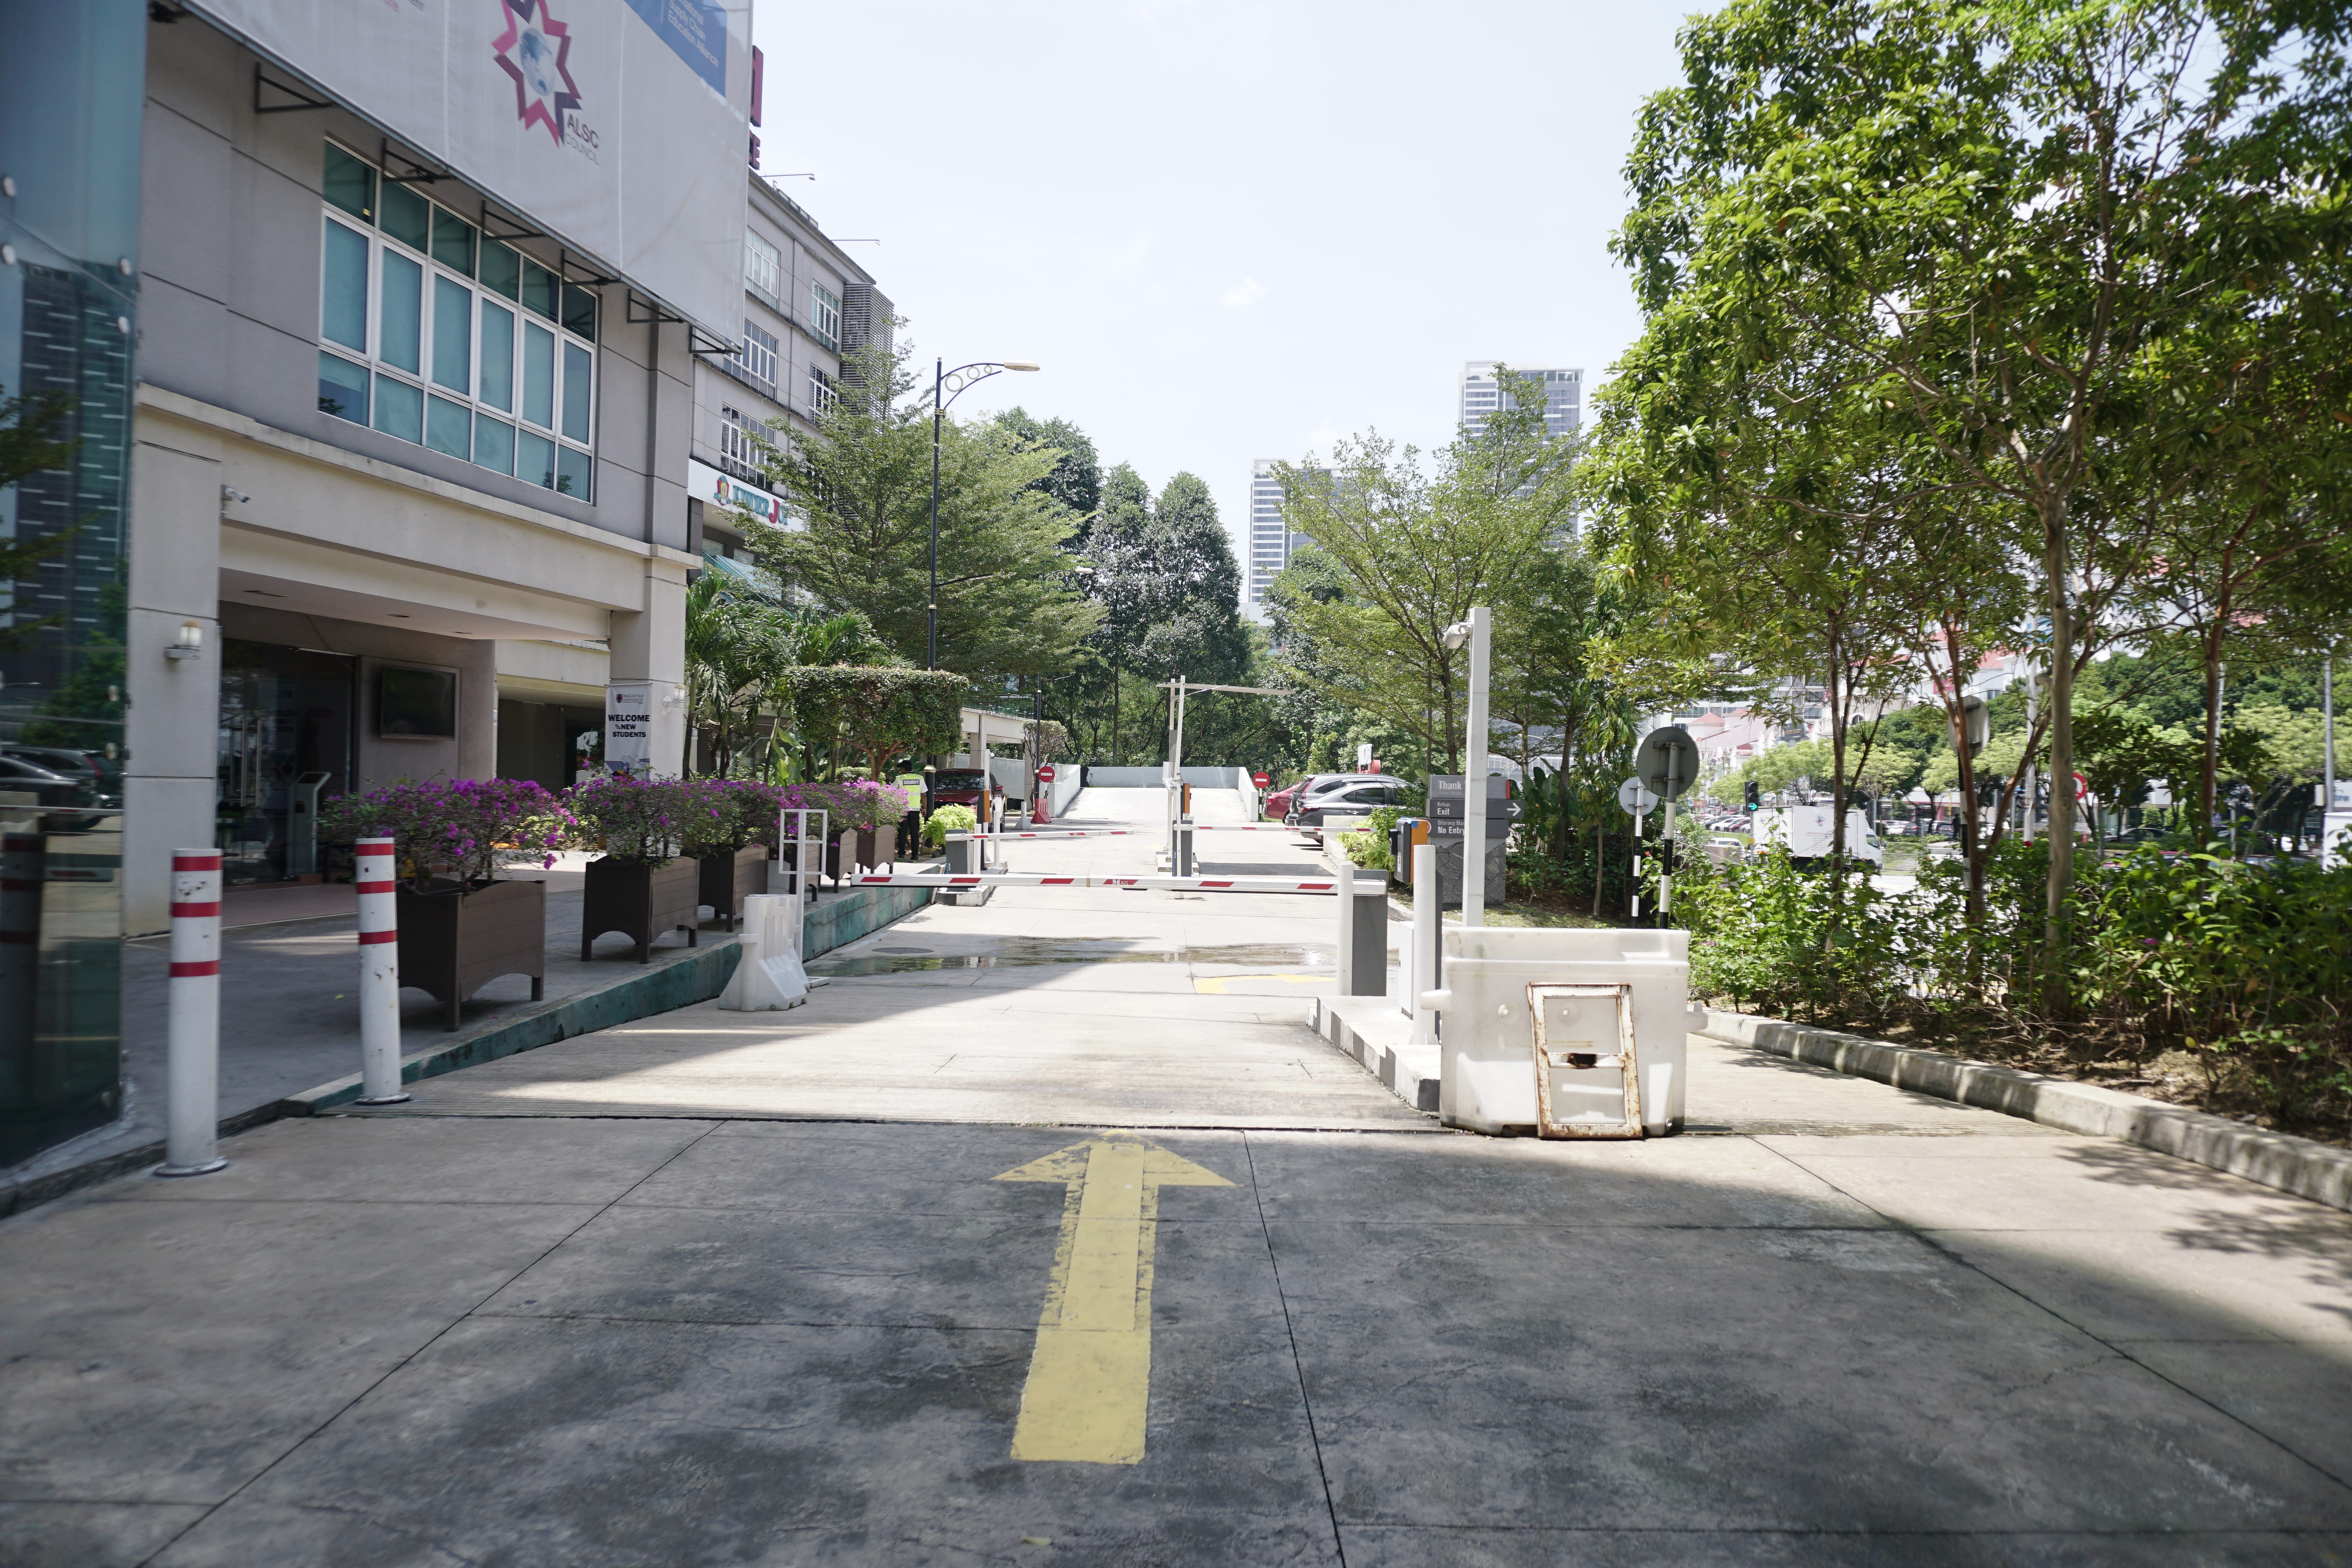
2208 764
2061 754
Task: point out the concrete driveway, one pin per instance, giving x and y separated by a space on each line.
1038 1261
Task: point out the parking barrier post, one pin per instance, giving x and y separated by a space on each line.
1346 953
379 933
1425 917
191 1070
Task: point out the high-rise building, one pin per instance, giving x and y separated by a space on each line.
1483 394
1270 543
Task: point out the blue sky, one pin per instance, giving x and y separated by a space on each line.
1226 230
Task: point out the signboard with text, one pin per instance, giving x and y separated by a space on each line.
1445 806
628 727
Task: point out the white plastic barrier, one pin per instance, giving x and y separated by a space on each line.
1535 1027
769 976
378 898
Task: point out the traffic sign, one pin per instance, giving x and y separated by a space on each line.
1635 800
1045 774
1667 763
1261 779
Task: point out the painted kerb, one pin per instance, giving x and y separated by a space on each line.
2291 1164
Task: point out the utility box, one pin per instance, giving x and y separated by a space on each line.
1565 1034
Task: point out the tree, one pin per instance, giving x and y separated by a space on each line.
1417 549
1192 590
882 710
738 642
862 481
2010 214
1076 477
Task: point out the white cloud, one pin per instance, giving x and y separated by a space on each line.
1244 294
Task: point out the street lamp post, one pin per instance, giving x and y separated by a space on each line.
962 376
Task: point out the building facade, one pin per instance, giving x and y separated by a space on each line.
1483 394
410 462
1271 542
807 306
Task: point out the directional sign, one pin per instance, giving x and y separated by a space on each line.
1445 804
1090 1376
1635 800
1667 763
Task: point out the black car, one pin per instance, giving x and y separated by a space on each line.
47 787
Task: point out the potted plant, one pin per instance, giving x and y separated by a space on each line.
461 925
641 886
873 811
729 825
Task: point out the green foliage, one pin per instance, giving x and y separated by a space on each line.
882 711
863 482
29 443
1076 480
738 642
948 819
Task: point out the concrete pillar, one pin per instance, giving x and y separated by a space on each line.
171 731
649 653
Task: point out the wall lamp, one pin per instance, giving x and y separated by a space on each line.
189 643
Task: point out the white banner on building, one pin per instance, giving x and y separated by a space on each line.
628 726
619 126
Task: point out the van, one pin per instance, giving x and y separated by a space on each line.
1806 830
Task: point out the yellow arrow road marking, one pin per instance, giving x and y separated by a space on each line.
1090 1377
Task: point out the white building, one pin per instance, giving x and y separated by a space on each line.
1483 394
1271 544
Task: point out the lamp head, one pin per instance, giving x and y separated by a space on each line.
1457 634
1019 364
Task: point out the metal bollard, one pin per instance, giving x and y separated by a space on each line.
379 976
1347 954
1425 918
192 1071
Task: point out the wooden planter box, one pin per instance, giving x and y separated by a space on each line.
640 903
454 942
877 847
727 879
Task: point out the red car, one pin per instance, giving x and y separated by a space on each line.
956 786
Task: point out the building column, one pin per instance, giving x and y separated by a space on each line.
646 686
172 728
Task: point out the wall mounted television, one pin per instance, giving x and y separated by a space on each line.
415 704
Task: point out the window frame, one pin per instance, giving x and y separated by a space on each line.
439 283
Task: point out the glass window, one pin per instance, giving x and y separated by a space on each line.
580 311
572 472
401 317
343 389
453 242
501 268
822 397
494 442
577 379
399 409
407 217
534 458
763 268
538 288
757 355
497 355
825 313
449 426
342 288
349 185
538 374
452 335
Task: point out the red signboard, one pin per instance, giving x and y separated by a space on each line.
1045 774
1261 779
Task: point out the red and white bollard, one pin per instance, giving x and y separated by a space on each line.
379 976
192 1070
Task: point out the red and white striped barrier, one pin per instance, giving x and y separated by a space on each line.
1132 832
1039 879
379 904
192 1064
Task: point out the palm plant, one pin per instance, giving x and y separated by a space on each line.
737 642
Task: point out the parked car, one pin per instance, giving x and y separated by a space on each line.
956 786
90 769
1348 798
47 786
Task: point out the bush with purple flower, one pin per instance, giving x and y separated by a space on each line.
460 830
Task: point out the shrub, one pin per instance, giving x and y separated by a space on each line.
946 819
641 821
461 828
